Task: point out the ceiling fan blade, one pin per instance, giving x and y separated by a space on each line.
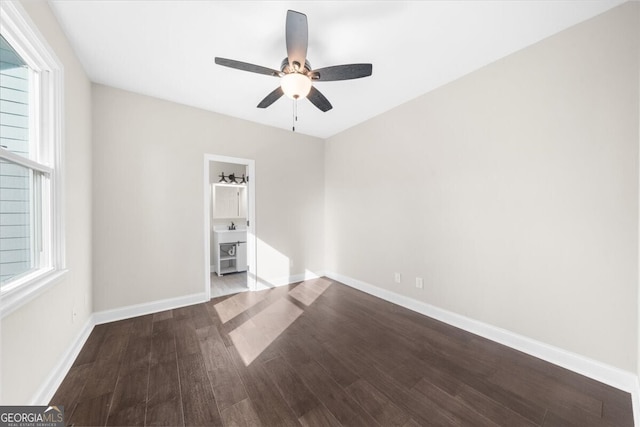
342 72
319 100
245 66
271 98
297 37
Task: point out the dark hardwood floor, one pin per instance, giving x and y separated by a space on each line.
318 353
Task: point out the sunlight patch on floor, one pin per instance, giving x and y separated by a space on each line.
256 334
237 304
308 291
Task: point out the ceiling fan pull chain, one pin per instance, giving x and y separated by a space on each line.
295 114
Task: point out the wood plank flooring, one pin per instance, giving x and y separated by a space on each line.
318 353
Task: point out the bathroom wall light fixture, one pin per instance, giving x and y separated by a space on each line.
232 179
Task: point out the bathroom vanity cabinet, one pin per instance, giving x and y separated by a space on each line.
229 251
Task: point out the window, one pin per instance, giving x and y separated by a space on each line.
31 235
17 239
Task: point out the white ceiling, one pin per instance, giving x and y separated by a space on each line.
166 49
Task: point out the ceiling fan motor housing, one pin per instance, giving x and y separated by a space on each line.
286 68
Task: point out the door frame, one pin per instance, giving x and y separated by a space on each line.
251 217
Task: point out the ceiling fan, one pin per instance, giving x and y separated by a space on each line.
295 73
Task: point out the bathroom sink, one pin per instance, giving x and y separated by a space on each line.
226 236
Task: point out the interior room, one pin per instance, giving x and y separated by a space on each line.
440 228
228 238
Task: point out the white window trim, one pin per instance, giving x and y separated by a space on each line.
20 31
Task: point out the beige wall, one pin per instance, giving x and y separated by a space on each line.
36 336
148 208
513 192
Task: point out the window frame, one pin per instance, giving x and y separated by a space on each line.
24 37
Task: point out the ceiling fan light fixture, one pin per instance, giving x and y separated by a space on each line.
296 75
296 85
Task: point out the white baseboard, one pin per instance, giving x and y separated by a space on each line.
635 399
287 280
147 308
615 377
50 385
598 371
48 388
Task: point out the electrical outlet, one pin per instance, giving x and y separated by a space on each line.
419 283
398 278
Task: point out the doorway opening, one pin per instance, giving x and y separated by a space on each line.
230 239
